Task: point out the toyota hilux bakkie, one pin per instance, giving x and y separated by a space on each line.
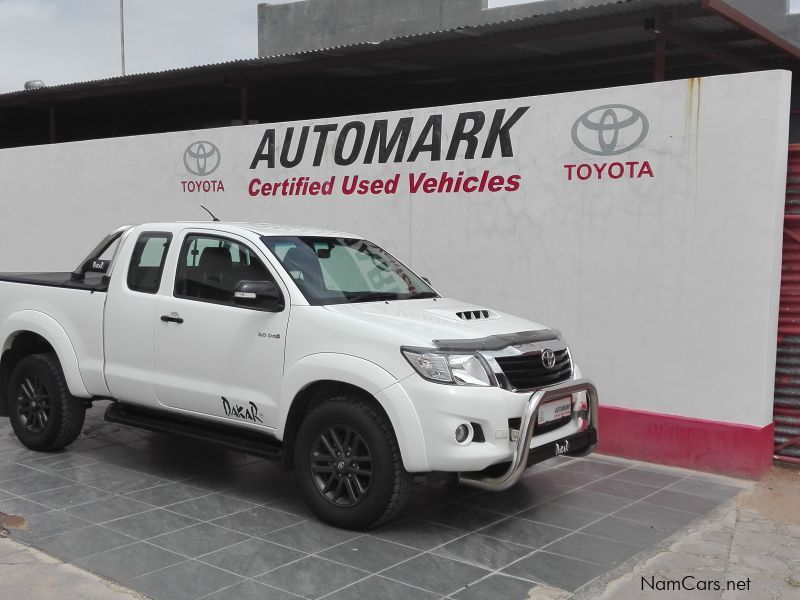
315 347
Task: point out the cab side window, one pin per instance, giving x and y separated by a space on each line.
147 262
210 267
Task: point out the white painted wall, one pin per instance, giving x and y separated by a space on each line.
667 286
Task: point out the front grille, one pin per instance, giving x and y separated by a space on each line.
527 371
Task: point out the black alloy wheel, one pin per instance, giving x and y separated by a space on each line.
348 463
43 413
33 404
341 463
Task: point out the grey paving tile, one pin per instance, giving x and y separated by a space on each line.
293 504
558 571
646 477
311 536
198 539
312 577
380 588
212 506
593 501
61 460
257 493
462 516
168 493
630 532
658 516
258 521
518 498
623 489
560 515
559 477
108 509
436 573
252 557
82 542
524 532
369 553
594 549
483 551
70 495
419 534
48 524
150 523
590 467
112 479
121 564
251 590
14 471
184 581
680 501
22 507
36 482
706 489
496 586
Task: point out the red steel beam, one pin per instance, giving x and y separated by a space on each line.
740 19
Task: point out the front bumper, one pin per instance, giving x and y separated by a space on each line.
576 444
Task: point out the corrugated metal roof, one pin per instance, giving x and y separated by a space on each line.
548 12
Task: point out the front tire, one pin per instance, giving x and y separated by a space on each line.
348 464
44 415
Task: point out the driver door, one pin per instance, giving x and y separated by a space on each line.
213 357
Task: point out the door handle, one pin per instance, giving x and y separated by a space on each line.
169 319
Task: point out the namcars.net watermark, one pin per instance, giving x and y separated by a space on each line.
690 583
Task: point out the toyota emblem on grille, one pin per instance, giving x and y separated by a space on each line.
549 359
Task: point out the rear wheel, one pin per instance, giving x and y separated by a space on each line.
44 415
348 464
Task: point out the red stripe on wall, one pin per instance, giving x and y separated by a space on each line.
724 448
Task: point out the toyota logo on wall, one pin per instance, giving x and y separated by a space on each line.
610 129
201 158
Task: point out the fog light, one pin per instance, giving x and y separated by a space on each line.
464 433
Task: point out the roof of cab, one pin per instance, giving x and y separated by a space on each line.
268 229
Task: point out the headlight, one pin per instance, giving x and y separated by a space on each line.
443 367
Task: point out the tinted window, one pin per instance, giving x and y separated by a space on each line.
210 267
147 262
339 270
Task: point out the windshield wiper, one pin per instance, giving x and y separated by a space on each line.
421 295
372 297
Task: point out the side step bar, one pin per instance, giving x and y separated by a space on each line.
236 438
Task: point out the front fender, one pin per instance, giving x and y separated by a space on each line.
372 379
48 328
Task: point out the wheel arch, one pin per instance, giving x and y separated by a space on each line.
318 376
32 332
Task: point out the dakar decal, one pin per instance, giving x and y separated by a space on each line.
240 412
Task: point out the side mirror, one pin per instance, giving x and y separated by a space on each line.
426 280
260 295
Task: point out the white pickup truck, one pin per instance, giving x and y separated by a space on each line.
316 347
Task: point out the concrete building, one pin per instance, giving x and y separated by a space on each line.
308 25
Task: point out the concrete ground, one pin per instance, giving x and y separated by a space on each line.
28 574
748 548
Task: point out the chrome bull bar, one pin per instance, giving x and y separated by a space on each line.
519 460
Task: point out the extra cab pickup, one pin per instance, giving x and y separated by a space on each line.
315 347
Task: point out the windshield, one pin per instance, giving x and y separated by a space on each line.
341 270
